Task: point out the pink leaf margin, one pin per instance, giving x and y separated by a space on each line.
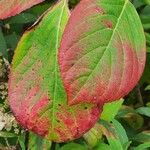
10 8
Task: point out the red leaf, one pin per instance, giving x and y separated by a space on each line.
12 7
102 53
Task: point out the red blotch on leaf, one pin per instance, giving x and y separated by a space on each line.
108 23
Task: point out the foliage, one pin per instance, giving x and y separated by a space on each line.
121 127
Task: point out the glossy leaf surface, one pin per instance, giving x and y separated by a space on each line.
102 53
36 93
12 7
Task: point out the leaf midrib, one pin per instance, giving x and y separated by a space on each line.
55 66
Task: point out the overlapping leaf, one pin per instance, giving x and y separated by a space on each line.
10 8
102 53
101 58
36 93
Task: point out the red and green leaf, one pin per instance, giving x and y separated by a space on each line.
36 93
12 7
102 53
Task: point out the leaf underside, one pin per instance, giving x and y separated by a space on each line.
36 93
102 53
12 7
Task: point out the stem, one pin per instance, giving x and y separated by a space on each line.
53 146
26 139
139 95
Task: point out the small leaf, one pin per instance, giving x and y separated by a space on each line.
142 146
102 146
38 143
134 120
110 110
144 111
111 136
3 46
12 7
115 144
5 134
121 133
146 1
148 49
102 53
142 137
73 146
147 88
12 40
93 136
21 140
22 18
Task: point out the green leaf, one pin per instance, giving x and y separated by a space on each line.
110 133
147 38
110 110
21 140
12 40
134 120
102 53
142 146
38 143
22 18
146 1
142 137
93 136
121 133
39 9
36 93
5 134
115 144
138 3
102 146
3 46
130 116
73 146
144 111
148 49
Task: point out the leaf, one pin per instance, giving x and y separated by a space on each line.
147 35
115 144
22 18
121 133
142 146
110 110
3 46
144 111
134 120
12 7
38 143
146 1
124 111
102 146
73 146
102 53
12 40
36 93
109 132
138 3
142 137
147 88
148 49
21 140
5 134
93 136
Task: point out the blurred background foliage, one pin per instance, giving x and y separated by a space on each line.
123 125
